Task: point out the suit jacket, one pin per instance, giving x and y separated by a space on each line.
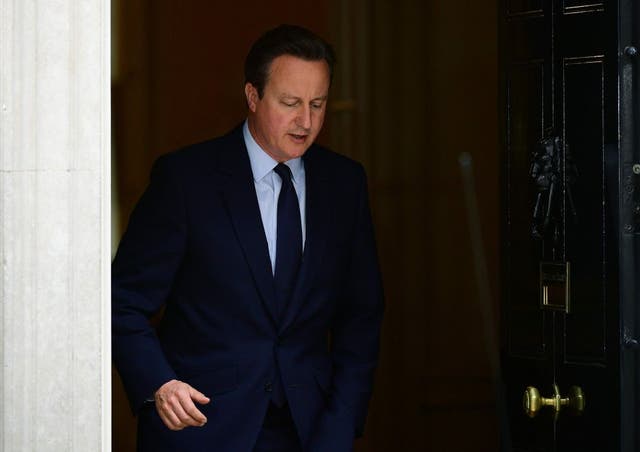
195 244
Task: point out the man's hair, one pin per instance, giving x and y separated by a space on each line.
284 40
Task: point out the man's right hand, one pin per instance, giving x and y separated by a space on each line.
174 402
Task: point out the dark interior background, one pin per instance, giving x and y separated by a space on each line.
416 85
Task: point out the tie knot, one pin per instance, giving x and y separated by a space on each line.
284 172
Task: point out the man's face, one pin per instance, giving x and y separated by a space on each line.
288 118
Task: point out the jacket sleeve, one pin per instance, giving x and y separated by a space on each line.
143 271
355 337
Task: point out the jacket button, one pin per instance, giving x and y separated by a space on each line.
268 387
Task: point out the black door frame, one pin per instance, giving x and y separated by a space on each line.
629 220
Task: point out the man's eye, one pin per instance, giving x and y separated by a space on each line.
316 106
290 104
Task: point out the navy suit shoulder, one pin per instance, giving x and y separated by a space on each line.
202 156
332 160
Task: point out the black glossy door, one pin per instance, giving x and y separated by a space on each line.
561 62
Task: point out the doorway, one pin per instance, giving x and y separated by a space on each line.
416 85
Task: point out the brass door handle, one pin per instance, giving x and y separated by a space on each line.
532 402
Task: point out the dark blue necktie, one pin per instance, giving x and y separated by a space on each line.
288 254
288 240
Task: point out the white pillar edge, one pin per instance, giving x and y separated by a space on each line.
55 225
106 209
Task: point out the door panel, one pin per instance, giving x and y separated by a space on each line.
526 123
587 49
586 232
590 333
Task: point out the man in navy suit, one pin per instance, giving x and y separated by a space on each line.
260 246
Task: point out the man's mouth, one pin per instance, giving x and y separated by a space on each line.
298 137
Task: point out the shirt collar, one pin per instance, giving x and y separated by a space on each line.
262 163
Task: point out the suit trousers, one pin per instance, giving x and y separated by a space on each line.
278 433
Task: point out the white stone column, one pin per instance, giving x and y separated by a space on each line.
54 225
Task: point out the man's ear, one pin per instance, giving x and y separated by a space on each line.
251 94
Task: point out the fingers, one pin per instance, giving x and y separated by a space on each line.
190 415
170 419
198 396
175 405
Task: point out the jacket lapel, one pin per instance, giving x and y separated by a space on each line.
242 204
318 215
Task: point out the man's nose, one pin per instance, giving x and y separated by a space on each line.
304 118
